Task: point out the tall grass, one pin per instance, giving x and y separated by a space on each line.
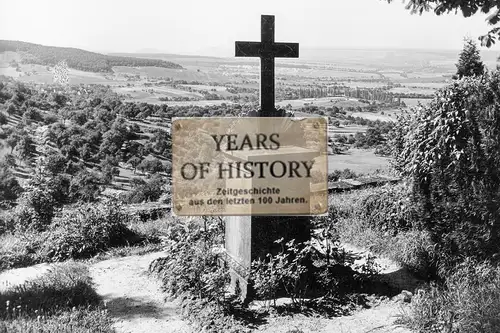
65 286
469 302
17 250
381 220
62 300
74 321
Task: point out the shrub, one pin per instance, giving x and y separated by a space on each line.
388 208
190 263
7 221
50 119
383 150
287 270
86 230
383 220
191 273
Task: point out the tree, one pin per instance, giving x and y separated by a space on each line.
10 160
134 162
153 165
9 186
450 150
12 141
146 191
3 119
469 61
109 169
467 7
162 142
55 163
35 210
85 186
12 109
26 148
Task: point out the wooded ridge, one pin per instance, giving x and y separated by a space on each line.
77 58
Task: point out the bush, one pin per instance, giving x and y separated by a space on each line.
341 174
191 273
469 302
86 230
35 210
383 150
286 271
7 221
388 208
190 263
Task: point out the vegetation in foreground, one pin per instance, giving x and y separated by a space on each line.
191 272
61 300
444 222
79 232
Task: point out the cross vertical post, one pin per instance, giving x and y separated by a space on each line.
252 237
267 95
267 50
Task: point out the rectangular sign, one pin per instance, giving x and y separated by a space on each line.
249 166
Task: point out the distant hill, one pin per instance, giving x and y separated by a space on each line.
77 58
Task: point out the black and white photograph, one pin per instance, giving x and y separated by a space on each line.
240 166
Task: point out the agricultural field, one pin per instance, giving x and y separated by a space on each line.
411 102
86 171
358 160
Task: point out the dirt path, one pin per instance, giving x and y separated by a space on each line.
378 319
133 298
136 304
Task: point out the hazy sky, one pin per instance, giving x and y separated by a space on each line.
210 27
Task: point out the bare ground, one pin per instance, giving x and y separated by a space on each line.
133 298
378 319
136 304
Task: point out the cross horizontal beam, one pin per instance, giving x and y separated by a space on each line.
257 49
267 49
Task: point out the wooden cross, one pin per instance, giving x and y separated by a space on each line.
267 50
